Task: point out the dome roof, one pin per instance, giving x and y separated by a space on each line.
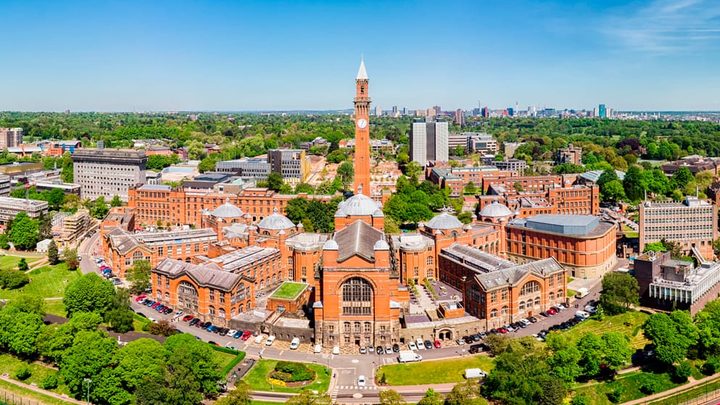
444 221
330 245
358 205
276 221
227 210
381 245
495 210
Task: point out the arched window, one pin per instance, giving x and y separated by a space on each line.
211 310
429 273
429 261
560 294
551 296
187 296
537 302
221 313
493 313
137 256
240 309
356 297
521 306
530 287
504 310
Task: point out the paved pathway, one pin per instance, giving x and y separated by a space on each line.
41 391
669 393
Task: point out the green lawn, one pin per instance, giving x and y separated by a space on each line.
139 323
55 307
222 358
433 372
34 397
690 394
10 364
628 323
45 282
258 381
289 290
629 384
11 262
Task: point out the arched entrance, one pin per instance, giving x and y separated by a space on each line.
187 297
445 334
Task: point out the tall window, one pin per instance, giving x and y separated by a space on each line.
530 287
187 296
356 297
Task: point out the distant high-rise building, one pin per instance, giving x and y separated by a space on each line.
108 172
602 111
429 142
378 111
532 111
485 112
430 112
404 111
459 117
395 111
10 137
475 112
511 112
437 109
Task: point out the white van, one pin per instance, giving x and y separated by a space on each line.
295 343
582 314
581 292
270 340
474 373
407 356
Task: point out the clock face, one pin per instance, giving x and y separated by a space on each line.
362 123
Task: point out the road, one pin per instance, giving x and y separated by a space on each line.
346 368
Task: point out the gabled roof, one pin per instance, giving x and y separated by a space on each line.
357 239
206 275
512 276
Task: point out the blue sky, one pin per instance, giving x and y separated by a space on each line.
258 55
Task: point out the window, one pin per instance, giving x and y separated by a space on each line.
346 327
530 287
504 310
504 295
493 313
356 297
221 313
211 309
521 306
212 295
493 296
429 261
367 327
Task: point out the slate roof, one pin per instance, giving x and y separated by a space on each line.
205 275
357 239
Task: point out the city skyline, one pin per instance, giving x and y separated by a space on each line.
202 56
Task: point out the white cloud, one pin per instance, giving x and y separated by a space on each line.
667 27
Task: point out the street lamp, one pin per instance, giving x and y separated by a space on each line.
86 384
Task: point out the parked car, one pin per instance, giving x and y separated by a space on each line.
237 334
194 321
420 344
371 349
270 340
259 338
396 348
437 344
379 350
187 318
363 350
168 311
532 319
230 345
294 343
361 381
551 311
412 346
317 348
388 349
460 342
428 344
336 350
246 335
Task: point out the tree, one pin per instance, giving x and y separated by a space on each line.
465 393
24 232
655 247
567 168
307 397
591 347
564 363
633 183
391 397
618 351
89 293
90 353
672 335
612 191
19 330
120 316
497 343
275 181
346 172
619 292
99 208
413 170
139 276
55 198
139 359
162 328
432 397
116 201
708 324
23 265
52 253
683 370
239 396
682 177
470 189
190 363
71 259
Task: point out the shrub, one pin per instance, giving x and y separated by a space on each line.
615 395
683 371
289 371
712 365
23 373
649 384
50 382
580 400
12 279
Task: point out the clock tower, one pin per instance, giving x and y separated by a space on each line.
362 132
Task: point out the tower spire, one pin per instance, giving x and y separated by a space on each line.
362 73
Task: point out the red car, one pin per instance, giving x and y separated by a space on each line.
155 305
551 311
437 344
140 298
246 335
187 318
502 330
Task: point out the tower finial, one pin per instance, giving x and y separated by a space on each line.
362 73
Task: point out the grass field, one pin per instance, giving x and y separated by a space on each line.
629 232
10 364
222 358
258 381
11 262
628 323
45 282
289 290
55 307
629 384
139 323
29 396
432 372
685 396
